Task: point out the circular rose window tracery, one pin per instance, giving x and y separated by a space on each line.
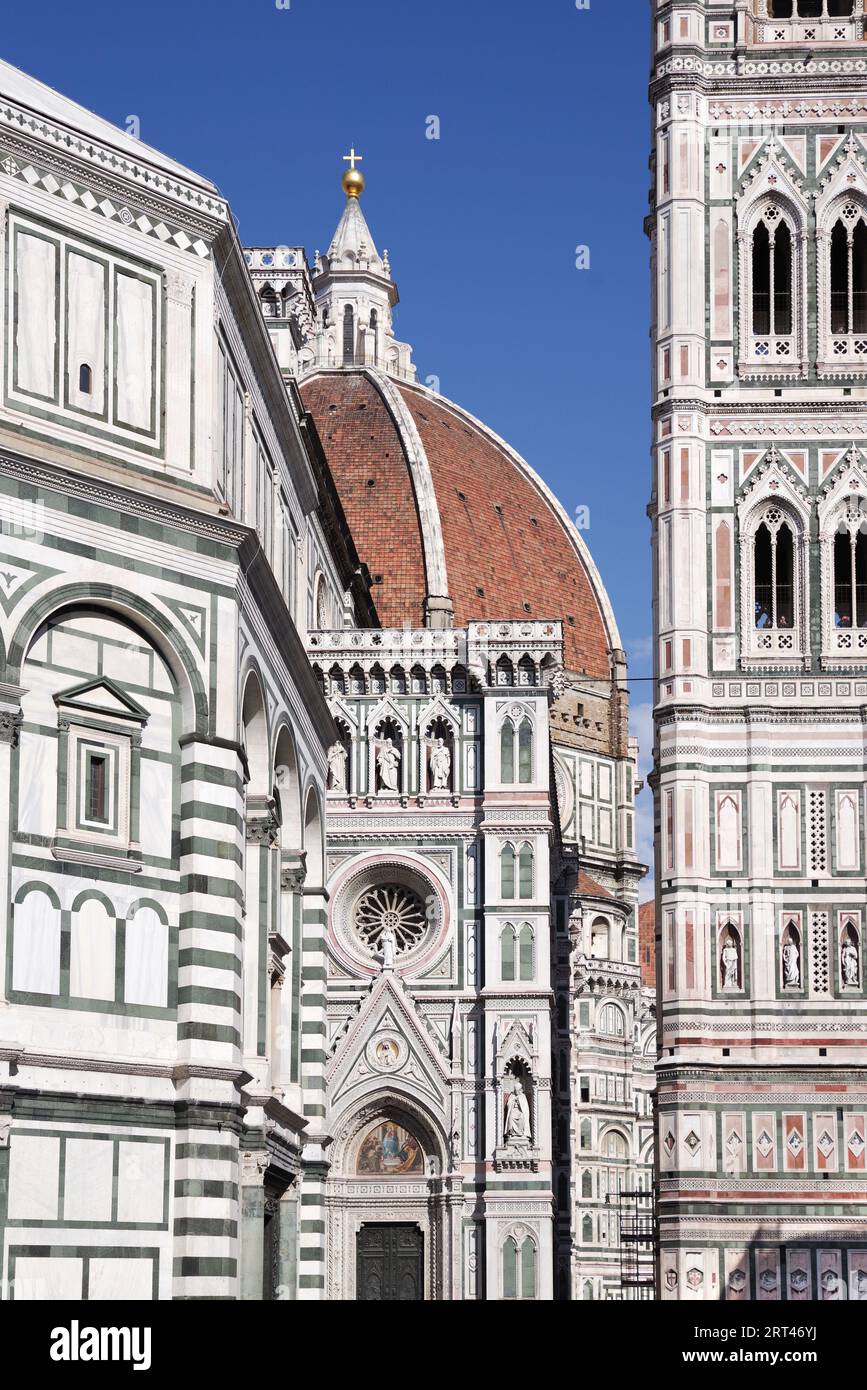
393 906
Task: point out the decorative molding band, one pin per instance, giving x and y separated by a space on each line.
117 211
29 132
45 476
97 861
121 1066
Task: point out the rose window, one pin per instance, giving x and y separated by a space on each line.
390 905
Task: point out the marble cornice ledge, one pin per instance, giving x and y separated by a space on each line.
54 477
89 161
16 1057
743 712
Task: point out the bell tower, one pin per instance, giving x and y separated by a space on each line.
758 228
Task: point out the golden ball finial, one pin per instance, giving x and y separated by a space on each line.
353 183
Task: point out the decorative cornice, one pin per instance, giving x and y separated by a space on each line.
120 1066
53 478
167 193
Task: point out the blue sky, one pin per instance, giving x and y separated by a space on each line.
544 137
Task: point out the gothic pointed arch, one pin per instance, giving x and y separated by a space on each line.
843 562
841 265
772 240
774 521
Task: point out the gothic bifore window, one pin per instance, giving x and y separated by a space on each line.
774 573
842 273
516 752
771 271
516 953
519 1266
772 276
771 580
850 565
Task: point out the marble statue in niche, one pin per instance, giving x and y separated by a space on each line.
516 1121
730 960
791 964
388 765
850 963
337 760
440 766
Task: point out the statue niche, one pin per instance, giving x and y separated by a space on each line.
850 958
388 755
791 957
439 752
339 761
730 958
517 1091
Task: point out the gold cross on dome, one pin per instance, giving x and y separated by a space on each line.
352 158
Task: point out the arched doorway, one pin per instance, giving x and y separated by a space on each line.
389 1220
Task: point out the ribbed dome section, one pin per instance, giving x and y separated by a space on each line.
366 457
506 549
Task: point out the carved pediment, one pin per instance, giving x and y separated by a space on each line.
770 172
101 697
386 1045
517 1039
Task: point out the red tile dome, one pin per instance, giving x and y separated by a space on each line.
440 506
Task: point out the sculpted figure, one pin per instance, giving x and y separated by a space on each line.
388 763
791 965
850 963
388 948
517 1125
730 963
440 765
337 759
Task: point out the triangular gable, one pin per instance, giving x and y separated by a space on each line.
340 710
774 477
516 1042
774 173
387 709
386 1044
102 696
850 476
439 709
847 175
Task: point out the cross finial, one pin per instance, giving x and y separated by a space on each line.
352 159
